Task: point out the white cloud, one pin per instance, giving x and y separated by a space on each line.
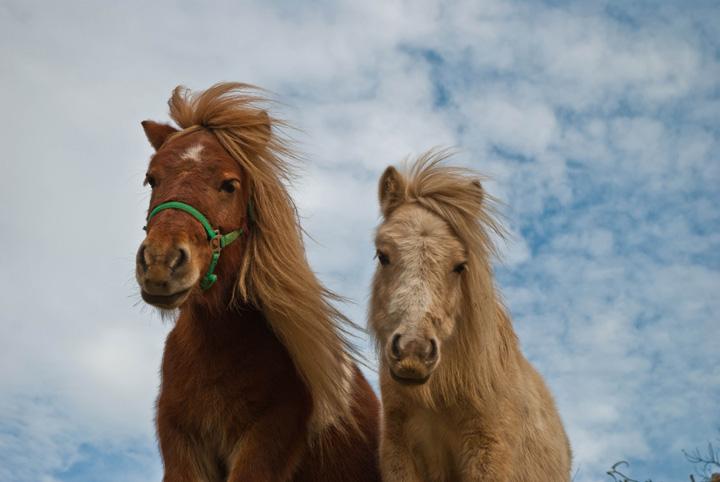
524 128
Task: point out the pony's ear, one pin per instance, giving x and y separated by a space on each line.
259 130
264 127
391 190
157 133
477 190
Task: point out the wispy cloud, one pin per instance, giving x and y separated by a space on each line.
597 122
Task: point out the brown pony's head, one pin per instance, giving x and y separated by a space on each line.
192 167
432 260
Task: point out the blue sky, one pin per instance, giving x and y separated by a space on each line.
598 123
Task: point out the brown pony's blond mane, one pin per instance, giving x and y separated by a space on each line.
484 343
275 275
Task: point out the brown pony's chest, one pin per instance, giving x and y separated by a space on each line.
219 377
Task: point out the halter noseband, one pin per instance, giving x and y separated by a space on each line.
217 241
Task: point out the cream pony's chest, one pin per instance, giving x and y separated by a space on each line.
433 441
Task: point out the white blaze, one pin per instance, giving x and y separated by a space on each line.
192 153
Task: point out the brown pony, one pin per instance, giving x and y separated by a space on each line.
258 382
460 401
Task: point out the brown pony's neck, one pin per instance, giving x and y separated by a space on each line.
218 319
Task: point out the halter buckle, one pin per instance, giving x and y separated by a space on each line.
216 242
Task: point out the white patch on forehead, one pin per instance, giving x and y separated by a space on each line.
192 153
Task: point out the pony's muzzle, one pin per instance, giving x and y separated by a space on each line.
177 257
164 272
412 358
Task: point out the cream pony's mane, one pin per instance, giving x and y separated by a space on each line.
484 345
275 275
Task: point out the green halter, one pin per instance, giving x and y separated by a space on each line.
217 240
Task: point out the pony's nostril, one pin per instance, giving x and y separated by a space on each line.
432 356
141 258
395 347
181 258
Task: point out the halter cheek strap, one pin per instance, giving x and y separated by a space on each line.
218 241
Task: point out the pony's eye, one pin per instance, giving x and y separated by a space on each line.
228 186
149 181
382 257
460 267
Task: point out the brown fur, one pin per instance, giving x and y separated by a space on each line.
258 383
484 413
